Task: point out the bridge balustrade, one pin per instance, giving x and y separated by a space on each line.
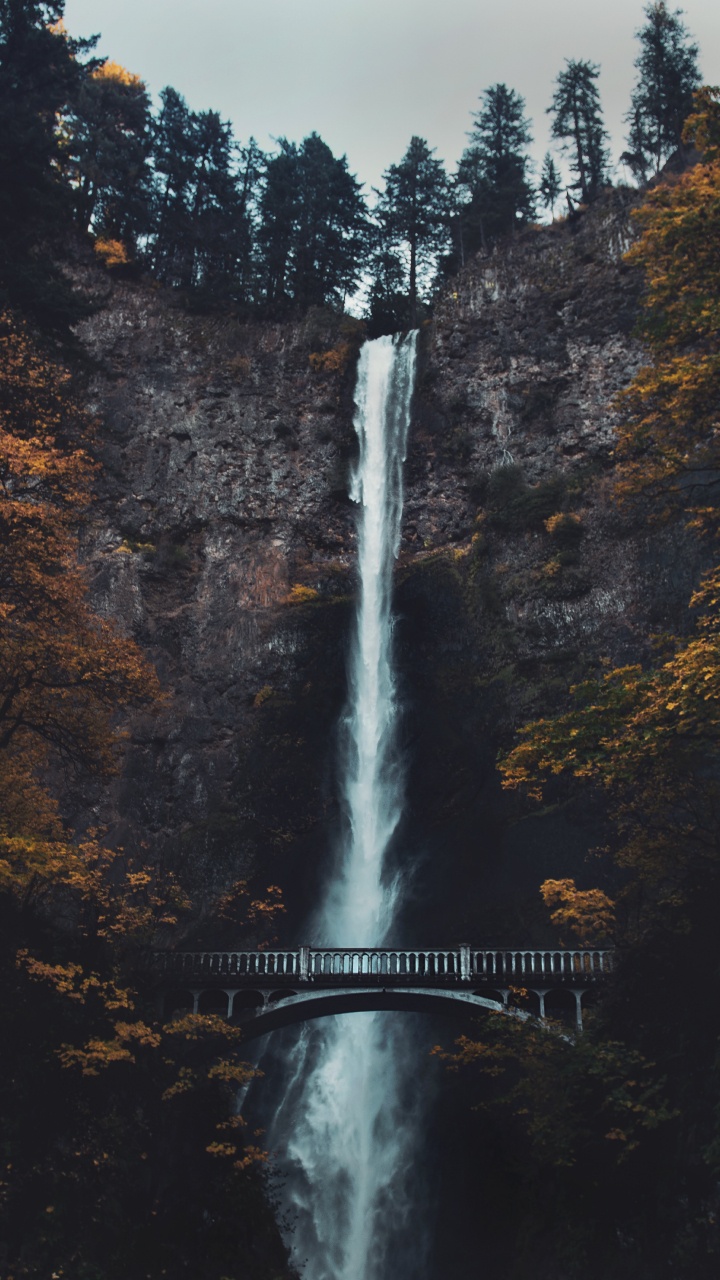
379 963
205 964
542 964
461 964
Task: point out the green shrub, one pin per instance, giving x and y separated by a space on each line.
565 529
514 506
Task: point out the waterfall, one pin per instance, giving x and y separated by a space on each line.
344 1129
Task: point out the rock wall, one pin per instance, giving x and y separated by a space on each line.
516 412
225 542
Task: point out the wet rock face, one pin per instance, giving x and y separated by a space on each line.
209 424
225 454
526 351
501 611
517 409
225 543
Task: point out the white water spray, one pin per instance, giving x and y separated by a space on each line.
347 1128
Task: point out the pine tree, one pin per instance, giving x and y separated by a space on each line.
217 235
550 184
578 125
278 213
174 163
662 98
493 170
331 229
107 147
636 156
203 235
387 303
413 212
313 227
40 75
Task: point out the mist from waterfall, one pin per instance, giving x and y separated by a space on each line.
344 1133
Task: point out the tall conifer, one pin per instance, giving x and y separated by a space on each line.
550 184
413 211
40 75
578 125
107 146
662 98
494 169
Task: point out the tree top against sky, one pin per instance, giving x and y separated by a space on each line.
369 77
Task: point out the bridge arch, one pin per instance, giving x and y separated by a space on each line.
307 1006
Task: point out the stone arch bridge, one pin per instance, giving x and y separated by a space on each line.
265 990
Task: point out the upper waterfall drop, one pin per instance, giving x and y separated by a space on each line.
358 906
347 1125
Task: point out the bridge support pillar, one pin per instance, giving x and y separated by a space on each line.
541 994
196 1000
578 1008
465 963
304 963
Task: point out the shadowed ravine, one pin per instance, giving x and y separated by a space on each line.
344 1131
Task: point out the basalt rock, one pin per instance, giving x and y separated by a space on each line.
520 573
224 541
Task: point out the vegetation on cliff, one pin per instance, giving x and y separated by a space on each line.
633 1110
121 1154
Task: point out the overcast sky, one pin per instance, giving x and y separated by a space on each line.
368 74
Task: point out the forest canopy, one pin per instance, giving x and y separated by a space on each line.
171 192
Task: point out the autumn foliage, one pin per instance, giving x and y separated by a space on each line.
668 444
633 1109
117 1130
647 736
65 672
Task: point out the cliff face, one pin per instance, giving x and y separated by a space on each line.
226 543
225 457
515 422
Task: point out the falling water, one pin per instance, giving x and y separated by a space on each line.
345 1123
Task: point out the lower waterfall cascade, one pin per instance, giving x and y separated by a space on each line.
344 1131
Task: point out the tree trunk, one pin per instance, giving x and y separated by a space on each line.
580 155
413 281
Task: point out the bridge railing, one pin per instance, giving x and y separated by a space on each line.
520 964
465 964
236 964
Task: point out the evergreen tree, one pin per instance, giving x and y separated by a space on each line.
108 141
550 184
250 174
278 214
40 74
174 164
203 234
493 170
414 215
662 98
313 226
636 156
331 233
387 304
578 124
218 236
